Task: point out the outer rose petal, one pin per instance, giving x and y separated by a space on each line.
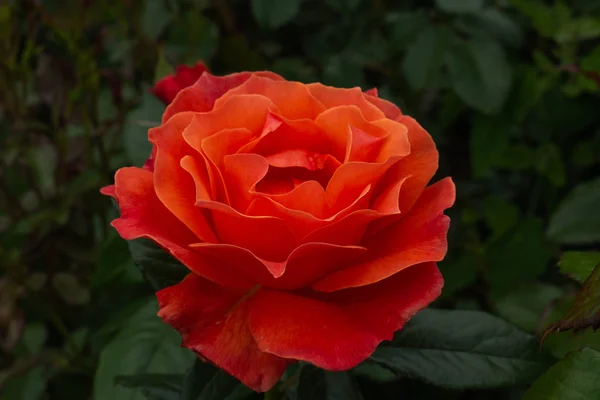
213 322
167 88
201 96
418 237
293 98
419 166
390 110
143 215
332 97
173 185
337 331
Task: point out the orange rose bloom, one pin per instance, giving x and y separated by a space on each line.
302 213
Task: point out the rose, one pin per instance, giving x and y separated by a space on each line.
167 88
302 213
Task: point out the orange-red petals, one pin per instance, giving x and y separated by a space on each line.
168 87
332 97
213 322
337 331
293 99
144 216
303 213
416 238
175 188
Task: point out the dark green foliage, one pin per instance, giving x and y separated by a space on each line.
510 91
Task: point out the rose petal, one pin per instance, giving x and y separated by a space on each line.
167 88
281 134
173 185
418 237
224 143
241 173
339 330
242 260
293 99
201 96
310 261
212 321
419 166
336 123
143 215
333 97
267 237
390 110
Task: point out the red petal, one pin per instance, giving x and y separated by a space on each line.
241 173
281 134
310 261
212 321
168 87
242 261
418 237
293 99
390 110
385 307
143 215
267 237
336 123
339 330
333 97
173 185
201 96
419 166
223 143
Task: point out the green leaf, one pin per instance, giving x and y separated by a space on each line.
29 386
424 57
154 386
543 18
155 18
459 6
585 311
340 71
520 255
576 377
115 264
274 13
405 28
144 345
525 305
579 265
577 220
549 164
316 384
561 343
500 215
591 62
146 116
163 68
193 37
206 382
294 69
374 372
463 350
458 274
156 264
488 143
340 386
481 74
493 24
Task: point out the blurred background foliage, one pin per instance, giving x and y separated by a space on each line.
510 90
